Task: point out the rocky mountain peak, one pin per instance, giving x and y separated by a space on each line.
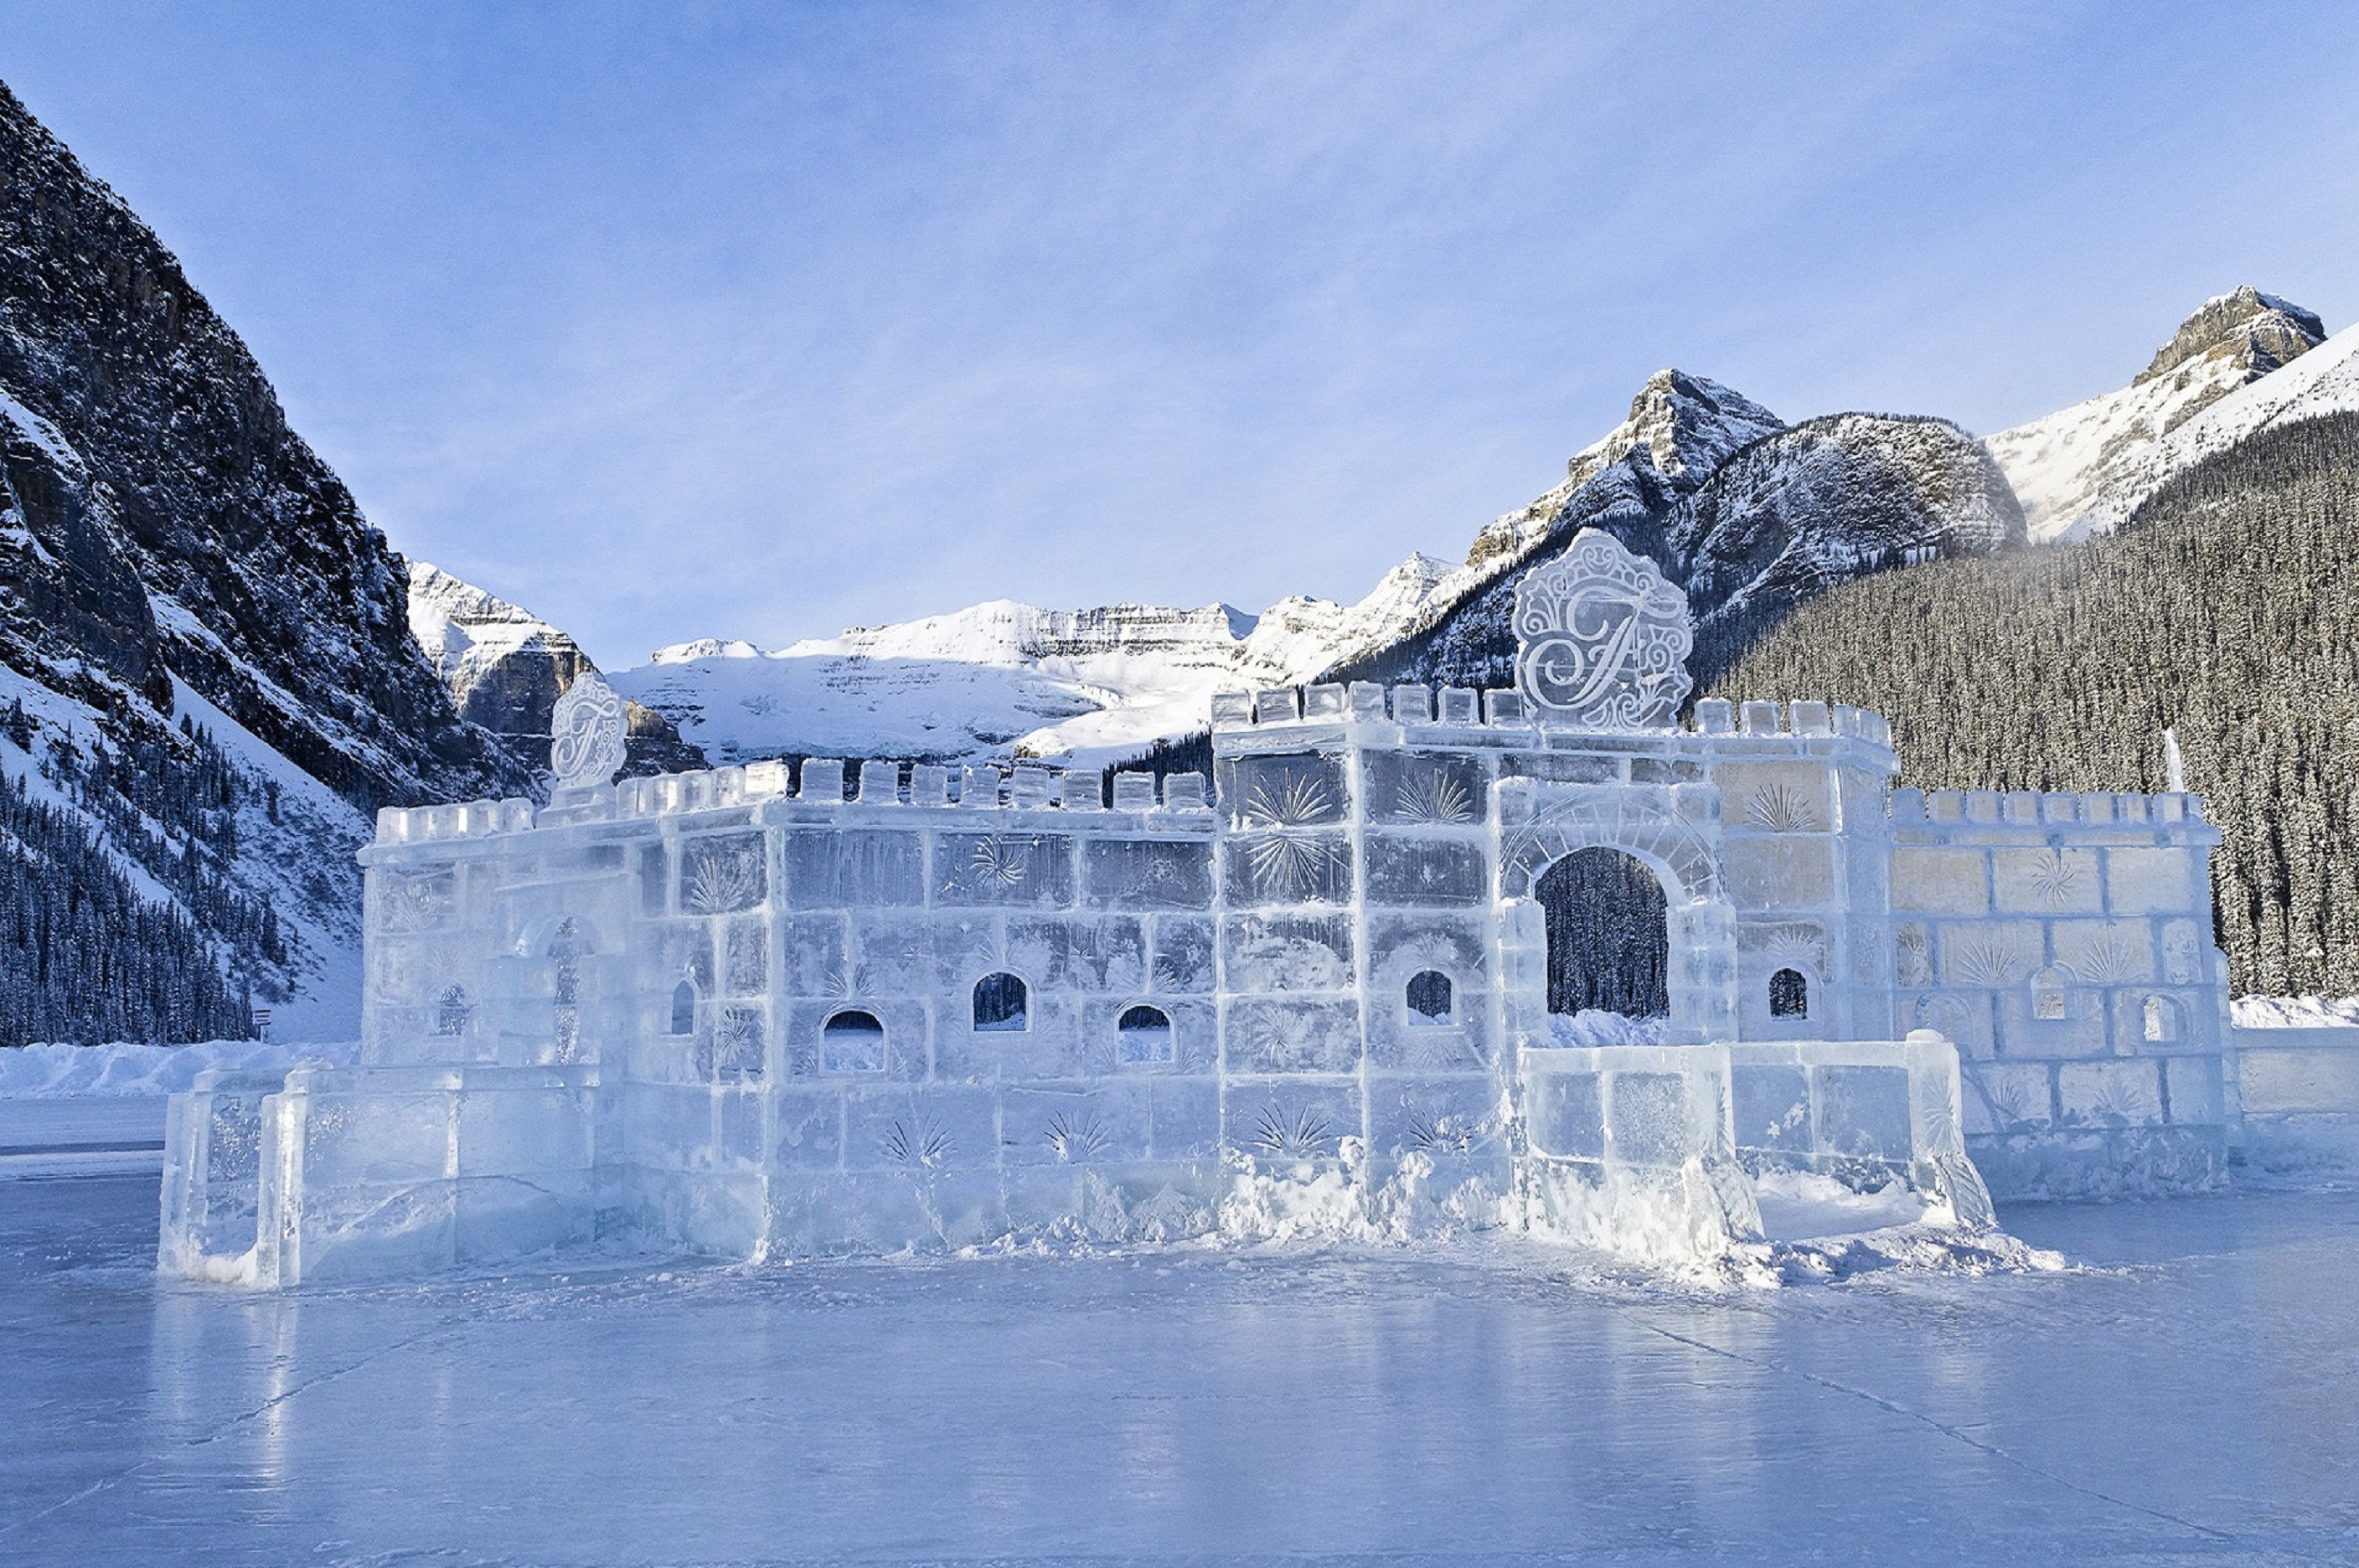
1687 425
2256 332
1680 428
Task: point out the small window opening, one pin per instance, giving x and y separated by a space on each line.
2161 1020
451 1016
1789 994
1143 1034
1001 1003
851 1041
683 1008
1429 997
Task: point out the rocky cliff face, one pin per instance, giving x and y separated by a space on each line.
2070 468
207 676
504 668
188 529
1796 513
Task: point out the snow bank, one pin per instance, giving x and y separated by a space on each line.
47 1072
2295 1012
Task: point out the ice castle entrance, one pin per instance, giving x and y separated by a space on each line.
1608 938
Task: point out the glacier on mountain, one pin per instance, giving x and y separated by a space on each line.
1000 678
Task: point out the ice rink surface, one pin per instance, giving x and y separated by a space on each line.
2189 1395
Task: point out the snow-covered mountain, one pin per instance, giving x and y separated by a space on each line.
1793 514
1092 686
1680 428
207 679
2323 381
2083 469
1750 515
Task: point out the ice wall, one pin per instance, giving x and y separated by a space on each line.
2065 942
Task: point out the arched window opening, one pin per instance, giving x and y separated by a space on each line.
2047 994
2162 1020
1609 936
1789 994
1429 997
852 1041
451 1016
1143 1034
1001 1003
683 1008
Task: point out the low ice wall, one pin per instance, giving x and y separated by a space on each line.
342 1174
1628 1148
1864 1112
2299 1088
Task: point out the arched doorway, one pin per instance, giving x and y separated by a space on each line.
1609 937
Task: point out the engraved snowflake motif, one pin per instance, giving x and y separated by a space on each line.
2054 878
1436 796
1001 861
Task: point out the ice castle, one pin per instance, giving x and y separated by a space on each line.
1548 958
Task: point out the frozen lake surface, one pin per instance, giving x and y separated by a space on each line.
2190 1396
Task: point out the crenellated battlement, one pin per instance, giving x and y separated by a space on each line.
464 819
2025 808
824 781
1462 707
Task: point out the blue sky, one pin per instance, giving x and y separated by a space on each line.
686 320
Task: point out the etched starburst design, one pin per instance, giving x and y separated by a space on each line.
1298 800
1983 959
1295 1136
1287 867
1781 808
917 1141
2109 960
1075 1137
721 880
1435 796
1795 947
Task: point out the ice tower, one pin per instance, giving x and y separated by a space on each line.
1545 958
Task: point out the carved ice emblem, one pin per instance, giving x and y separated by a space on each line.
1602 639
585 741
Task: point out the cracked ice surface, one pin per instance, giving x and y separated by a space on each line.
2193 1397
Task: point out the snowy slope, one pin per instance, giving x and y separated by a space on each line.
1091 686
2070 467
2323 381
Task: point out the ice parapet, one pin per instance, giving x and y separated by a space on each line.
1352 981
